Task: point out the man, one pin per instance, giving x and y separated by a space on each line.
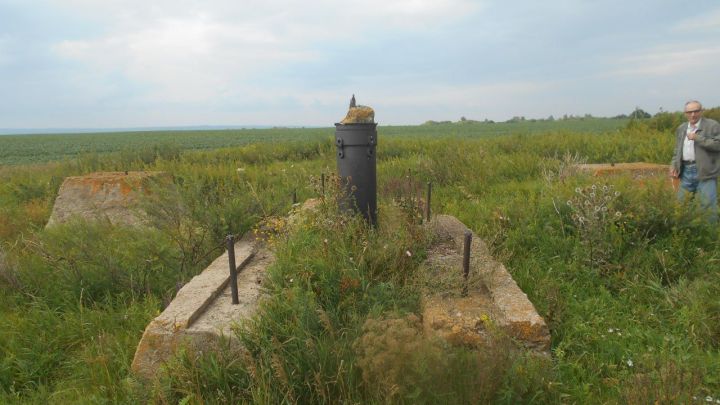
696 161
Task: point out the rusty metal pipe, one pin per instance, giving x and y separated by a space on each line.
427 202
466 261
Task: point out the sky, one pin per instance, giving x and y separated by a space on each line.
145 63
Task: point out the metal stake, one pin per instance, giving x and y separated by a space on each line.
294 197
322 181
427 202
233 269
466 261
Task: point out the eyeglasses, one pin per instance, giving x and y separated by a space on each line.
692 111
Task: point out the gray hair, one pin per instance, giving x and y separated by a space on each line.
694 102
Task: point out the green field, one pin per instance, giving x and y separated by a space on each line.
22 149
631 298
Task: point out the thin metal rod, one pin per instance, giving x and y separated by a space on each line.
233 269
466 261
427 202
322 181
294 197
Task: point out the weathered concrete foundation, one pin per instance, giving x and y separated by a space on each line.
114 196
637 170
202 313
493 301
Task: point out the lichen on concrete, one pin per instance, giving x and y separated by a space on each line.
493 301
114 196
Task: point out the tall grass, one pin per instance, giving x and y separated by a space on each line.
638 324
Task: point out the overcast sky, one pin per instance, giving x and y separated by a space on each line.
130 63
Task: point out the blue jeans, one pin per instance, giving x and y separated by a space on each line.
705 189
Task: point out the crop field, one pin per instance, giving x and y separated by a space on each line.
626 278
22 149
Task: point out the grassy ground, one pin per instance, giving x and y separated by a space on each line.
630 292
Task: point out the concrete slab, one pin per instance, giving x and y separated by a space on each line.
202 313
493 298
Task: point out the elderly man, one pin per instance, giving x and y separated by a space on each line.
696 160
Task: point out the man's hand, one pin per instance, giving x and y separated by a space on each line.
674 172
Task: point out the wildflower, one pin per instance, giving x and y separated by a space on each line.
593 187
605 188
629 362
618 214
408 254
592 195
611 330
577 190
569 203
617 193
240 169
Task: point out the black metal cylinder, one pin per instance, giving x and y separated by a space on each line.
355 145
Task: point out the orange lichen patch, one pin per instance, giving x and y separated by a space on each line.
125 188
126 182
637 170
462 321
529 332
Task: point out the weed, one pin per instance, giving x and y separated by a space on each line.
593 215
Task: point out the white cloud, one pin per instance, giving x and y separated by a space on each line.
706 23
167 62
668 61
184 60
192 51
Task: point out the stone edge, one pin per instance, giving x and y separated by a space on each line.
516 314
169 331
